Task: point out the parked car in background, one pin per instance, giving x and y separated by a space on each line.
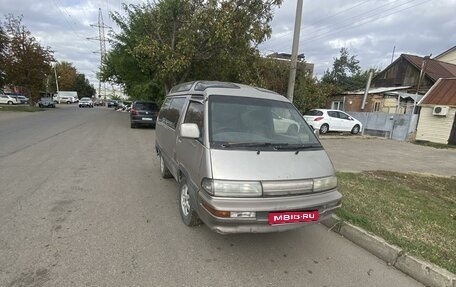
112 103
46 103
66 99
9 100
98 103
85 103
326 120
20 98
143 114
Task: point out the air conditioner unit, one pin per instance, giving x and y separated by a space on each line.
440 110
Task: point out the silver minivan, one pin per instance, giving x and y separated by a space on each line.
244 158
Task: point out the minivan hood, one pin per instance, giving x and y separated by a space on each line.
270 165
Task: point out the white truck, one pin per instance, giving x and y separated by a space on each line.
69 97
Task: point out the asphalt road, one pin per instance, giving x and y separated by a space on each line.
82 204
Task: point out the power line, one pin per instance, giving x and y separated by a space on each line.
365 21
368 17
320 20
65 13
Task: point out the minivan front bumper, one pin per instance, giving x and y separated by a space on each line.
325 202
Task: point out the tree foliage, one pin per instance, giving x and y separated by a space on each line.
346 73
172 41
69 79
25 62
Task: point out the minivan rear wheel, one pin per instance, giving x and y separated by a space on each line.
187 212
164 171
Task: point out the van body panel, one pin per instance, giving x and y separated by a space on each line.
325 202
189 153
229 158
270 165
166 141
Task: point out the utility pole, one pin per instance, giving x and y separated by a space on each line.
294 51
56 79
366 91
102 38
422 72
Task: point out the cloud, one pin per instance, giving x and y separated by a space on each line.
368 28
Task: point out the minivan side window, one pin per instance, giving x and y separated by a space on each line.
195 115
171 111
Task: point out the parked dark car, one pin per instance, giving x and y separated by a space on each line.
143 114
46 103
98 102
112 103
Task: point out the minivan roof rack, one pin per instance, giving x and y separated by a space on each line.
203 85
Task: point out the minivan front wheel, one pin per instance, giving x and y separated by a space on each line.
164 171
187 212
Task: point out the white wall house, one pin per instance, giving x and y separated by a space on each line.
449 56
437 122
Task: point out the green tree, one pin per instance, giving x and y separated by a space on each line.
26 62
311 93
69 79
83 86
345 73
173 41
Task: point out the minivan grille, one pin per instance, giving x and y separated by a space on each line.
289 187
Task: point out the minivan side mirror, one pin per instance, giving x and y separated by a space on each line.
189 130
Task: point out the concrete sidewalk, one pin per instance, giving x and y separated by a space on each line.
359 154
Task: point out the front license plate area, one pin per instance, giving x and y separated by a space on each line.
288 217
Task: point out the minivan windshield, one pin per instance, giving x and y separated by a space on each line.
252 123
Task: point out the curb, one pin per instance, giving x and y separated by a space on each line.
427 273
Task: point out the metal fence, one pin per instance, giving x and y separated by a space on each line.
394 126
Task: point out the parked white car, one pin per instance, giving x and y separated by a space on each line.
6 99
332 120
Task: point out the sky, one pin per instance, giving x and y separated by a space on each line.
370 29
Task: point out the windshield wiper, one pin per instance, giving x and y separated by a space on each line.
246 144
296 147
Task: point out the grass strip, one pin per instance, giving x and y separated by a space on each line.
415 212
20 109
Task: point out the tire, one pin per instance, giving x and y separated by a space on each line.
186 210
68 102
324 128
10 102
164 171
355 130
40 105
132 125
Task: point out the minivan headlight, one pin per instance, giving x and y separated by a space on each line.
325 183
229 188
